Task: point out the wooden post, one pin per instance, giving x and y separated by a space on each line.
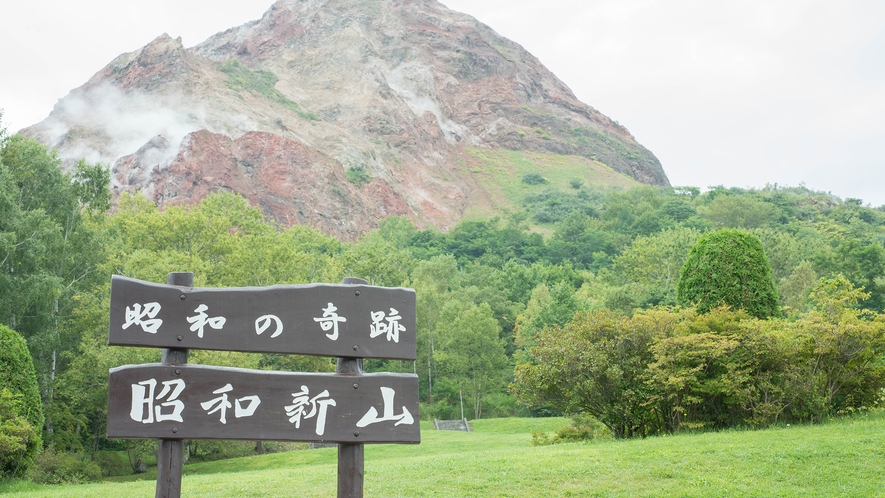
350 456
169 451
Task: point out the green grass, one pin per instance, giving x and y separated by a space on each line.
842 458
498 176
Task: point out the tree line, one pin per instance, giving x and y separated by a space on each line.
596 267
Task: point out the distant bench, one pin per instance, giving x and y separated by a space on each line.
452 425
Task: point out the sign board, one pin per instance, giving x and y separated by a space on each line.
205 402
318 319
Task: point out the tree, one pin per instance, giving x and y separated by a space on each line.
378 261
846 346
432 280
21 411
578 240
48 250
741 211
654 261
471 353
546 308
728 267
795 287
595 365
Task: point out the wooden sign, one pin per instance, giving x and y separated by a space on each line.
318 319
206 402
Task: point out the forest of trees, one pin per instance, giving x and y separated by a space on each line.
597 267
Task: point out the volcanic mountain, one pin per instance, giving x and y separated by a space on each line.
336 113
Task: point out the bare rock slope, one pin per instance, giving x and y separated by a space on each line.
280 108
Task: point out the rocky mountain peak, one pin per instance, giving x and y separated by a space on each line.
401 92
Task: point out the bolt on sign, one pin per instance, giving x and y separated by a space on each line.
318 319
170 401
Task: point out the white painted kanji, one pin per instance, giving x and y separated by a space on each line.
329 321
201 319
143 317
318 406
392 327
145 410
371 416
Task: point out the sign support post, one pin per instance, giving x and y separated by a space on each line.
351 461
170 451
350 456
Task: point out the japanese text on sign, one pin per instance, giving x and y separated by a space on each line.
226 403
316 319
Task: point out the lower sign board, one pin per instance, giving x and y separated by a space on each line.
204 402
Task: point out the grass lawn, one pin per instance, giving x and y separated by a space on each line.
842 458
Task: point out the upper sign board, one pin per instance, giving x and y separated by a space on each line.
341 320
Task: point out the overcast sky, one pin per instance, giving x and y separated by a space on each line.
735 93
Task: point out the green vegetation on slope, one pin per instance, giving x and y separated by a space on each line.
841 458
499 175
262 83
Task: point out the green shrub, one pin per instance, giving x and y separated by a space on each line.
595 365
211 450
53 467
584 428
441 409
575 183
533 179
540 438
569 434
728 267
665 371
21 409
15 433
113 463
501 405
358 175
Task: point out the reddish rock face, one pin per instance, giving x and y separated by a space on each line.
399 88
293 184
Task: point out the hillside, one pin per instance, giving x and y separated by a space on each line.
336 113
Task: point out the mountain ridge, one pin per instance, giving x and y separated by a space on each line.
401 89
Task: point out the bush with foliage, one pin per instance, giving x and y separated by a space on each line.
584 428
58 467
845 345
728 267
358 175
533 179
666 370
593 365
16 433
21 410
